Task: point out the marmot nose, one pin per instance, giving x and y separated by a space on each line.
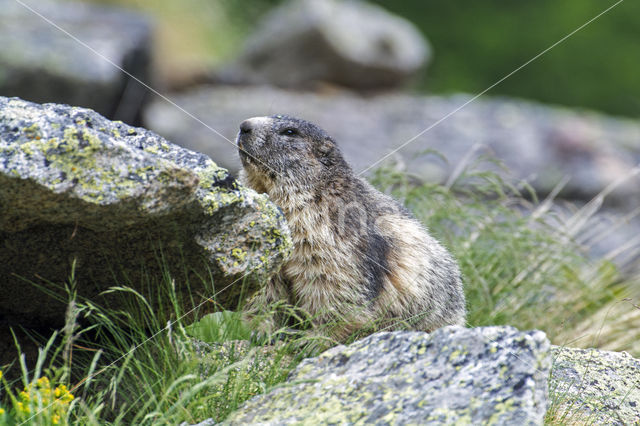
245 127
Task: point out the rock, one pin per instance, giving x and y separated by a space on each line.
349 43
41 63
595 387
535 141
207 422
125 206
494 375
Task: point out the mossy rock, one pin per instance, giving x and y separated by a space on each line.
128 208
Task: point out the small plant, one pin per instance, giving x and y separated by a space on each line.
43 397
40 402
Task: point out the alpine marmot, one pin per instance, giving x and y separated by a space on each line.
359 257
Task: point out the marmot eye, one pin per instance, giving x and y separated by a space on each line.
289 132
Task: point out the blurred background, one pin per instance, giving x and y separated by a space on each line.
401 87
474 45
391 81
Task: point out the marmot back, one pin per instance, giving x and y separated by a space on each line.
359 257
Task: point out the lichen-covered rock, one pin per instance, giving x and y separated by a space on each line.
125 206
592 386
350 43
41 63
492 375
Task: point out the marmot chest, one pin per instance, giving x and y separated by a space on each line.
319 256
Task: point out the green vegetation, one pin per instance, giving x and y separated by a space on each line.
134 364
478 43
520 260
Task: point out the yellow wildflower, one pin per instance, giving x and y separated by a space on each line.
1 409
23 408
41 396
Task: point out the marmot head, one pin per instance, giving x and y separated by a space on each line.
280 147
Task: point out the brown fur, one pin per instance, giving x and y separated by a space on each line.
359 257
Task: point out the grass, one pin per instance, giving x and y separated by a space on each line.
138 365
522 260
133 364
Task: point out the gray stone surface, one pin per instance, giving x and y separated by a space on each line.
350 43
538 142
491 375
74 185
207 422
41 63
591 386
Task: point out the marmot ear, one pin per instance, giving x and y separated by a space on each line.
325 147
324 150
